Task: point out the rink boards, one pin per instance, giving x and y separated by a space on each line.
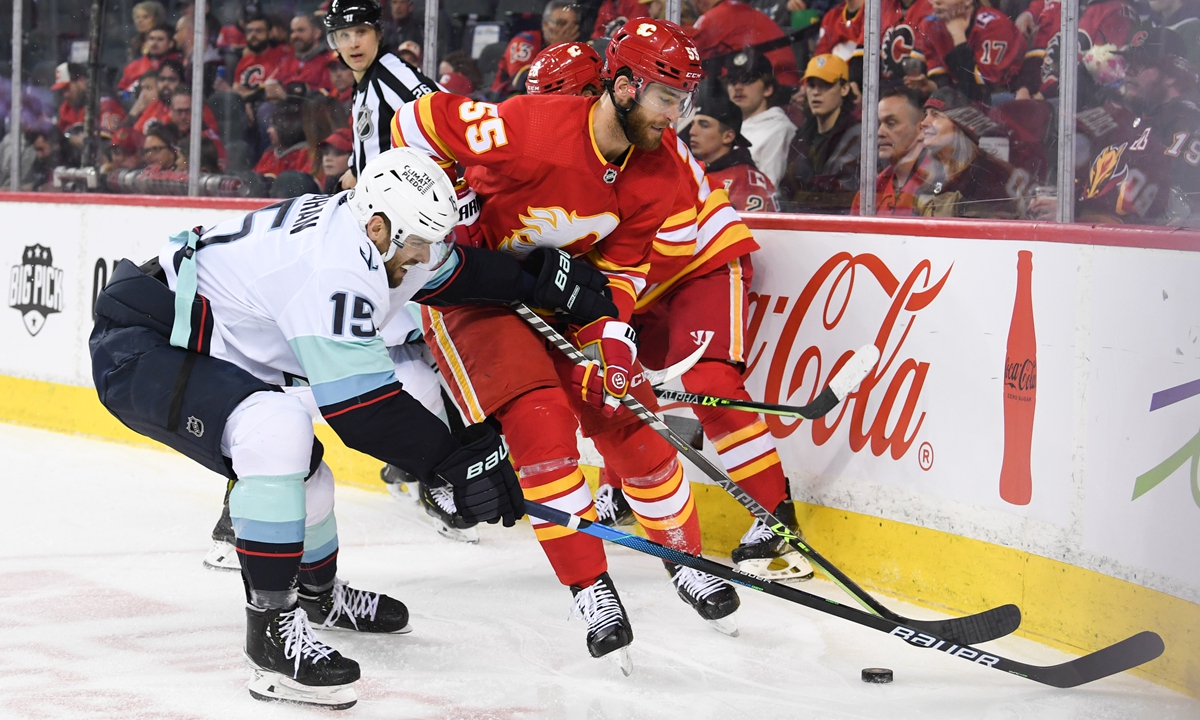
901 483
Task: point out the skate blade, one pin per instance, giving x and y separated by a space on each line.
467 535
273 687
402 631
726 625
797 569
222 556
621 657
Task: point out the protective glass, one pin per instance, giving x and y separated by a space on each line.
662 100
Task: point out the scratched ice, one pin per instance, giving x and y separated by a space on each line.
105 612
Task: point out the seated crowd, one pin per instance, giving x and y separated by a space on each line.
967 113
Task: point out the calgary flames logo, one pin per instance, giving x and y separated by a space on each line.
897 45
1107 171
556 227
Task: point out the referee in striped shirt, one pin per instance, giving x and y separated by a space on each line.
383 83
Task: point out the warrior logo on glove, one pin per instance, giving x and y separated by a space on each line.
611 345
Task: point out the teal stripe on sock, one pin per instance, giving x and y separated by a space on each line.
269 498
319 535
319 553
268 532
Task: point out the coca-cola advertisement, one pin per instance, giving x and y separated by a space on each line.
943 427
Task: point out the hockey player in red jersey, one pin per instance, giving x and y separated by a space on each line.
594 177
976 49
571 68
697 288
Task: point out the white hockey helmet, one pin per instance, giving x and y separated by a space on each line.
416 197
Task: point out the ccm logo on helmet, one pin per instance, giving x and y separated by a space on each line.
419 180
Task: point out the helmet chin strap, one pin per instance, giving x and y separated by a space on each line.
622 113
391 253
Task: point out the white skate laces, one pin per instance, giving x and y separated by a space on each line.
299 642
443 497
697 584
598 606
353 603
757 533
605 507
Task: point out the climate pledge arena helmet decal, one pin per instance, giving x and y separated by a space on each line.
35 287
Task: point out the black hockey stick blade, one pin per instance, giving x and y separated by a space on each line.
851 374
1122 656
964 631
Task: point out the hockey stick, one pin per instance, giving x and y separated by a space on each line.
851 374
1125 655
982 627
667 374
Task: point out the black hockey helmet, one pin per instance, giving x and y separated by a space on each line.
348 13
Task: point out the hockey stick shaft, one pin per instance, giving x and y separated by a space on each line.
1127 654
982 627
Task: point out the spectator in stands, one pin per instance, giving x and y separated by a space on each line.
715 138
403 25
28 156
751 85
306 64
1105 26
823 159
341 78
159 47
185 39
335 157
147 94
963 181
1182 16
169 76
47 144
181 118
232 38
842 34
124 150
977 50
146 15
410 52
278 31
901 152
160 148
289 148
728 26
71 79
259 60
461 62
560 23
612 14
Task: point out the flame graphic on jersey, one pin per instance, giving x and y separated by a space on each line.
556 227
1104 169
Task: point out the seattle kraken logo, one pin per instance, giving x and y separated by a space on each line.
35 287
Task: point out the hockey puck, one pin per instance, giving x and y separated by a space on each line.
876 675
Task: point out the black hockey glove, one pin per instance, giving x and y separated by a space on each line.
572 287
485 484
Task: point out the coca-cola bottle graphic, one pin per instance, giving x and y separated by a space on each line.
1020 390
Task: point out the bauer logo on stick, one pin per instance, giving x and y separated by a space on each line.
35 287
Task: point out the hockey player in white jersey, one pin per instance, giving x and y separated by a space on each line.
191 349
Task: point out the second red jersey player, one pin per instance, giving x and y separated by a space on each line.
593 177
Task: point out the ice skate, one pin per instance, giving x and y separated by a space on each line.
609 631
439 504
612 509
344 607
399 483
290 664
711 597
223 555
766 555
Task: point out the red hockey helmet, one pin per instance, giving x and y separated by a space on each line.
564 69
654 51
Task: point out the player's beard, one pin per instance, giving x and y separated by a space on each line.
637 129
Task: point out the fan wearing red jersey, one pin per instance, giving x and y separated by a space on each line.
976 49
697 287
593 177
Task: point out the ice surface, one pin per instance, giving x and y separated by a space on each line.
105 612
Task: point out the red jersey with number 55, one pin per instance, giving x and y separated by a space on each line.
994 40
534 161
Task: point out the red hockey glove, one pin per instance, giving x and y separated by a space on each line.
611 345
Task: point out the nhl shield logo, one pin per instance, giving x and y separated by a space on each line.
195 426
610 176
35 287
363 125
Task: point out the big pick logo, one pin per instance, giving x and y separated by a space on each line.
35 287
